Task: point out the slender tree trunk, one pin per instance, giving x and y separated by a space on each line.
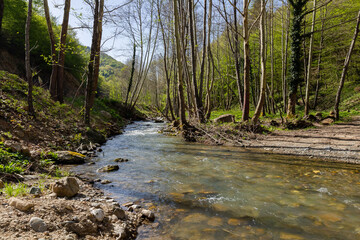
27 60
52 85
260 104
284 54
98 54
61 60
90 77
131 75
1 13
272 101
308 75
180 66
318 79
345 68
246 35
194 89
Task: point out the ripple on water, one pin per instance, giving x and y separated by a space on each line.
214 192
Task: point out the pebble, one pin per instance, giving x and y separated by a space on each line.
105 181
35 191
38 224
21 204
98 214
148 214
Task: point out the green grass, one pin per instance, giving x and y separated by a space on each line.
12 162
14 190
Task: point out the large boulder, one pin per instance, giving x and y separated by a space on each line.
109 168
226 118
95 137
66 187
69 157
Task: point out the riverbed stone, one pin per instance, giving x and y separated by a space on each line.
35 191
148 214
108 168
69 157
121 160
22 205
226 118
66 187
37 224
105 181
327 121
98 214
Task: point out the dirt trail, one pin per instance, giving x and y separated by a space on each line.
340 142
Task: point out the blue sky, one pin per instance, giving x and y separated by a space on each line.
118 49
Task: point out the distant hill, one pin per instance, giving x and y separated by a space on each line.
109 66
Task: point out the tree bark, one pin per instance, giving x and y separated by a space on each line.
52 85
180 67
246 34
308 75
27 60
90 77
260 104
61 59
1 13
131 75
345 68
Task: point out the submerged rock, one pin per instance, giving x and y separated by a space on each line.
66 187
148 214
121 160
109 168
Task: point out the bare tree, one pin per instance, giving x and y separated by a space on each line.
308 75
94 62
179 66
346 66
53 77
27 60
260 104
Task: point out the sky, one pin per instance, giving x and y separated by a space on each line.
120 48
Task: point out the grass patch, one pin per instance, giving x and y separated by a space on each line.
12 162
14 190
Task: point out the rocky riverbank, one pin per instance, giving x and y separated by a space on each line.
67 208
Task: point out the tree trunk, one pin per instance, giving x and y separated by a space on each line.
61 59
98 54
308 75
27 60
198 113
180 67
345 68
52 85
131 76
318 79
90 80
295 61
1 13
246 34
260 104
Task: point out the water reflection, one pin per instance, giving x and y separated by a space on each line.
207 192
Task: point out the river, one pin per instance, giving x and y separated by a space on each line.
217 192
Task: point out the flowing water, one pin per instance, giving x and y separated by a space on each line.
214 192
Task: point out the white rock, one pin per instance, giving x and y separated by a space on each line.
98 214
148 214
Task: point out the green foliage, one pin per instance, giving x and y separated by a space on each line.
13 35
14 190
11 162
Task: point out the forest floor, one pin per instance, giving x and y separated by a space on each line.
339 142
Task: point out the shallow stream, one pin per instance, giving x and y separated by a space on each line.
216 192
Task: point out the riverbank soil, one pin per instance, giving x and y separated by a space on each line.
339 142
63 218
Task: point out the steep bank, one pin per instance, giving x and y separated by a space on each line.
29 149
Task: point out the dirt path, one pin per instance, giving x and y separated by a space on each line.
340 142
